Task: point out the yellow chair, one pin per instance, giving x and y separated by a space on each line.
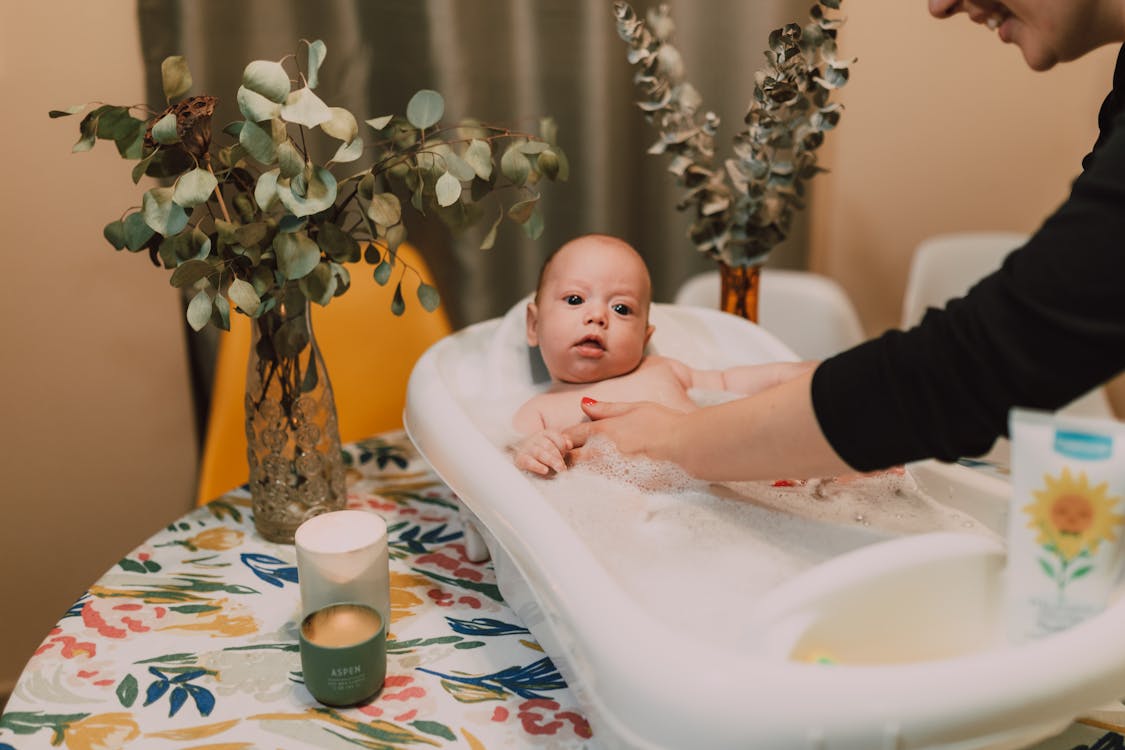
369 354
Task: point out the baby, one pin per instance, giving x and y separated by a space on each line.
589 319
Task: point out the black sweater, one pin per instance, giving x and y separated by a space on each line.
1045 328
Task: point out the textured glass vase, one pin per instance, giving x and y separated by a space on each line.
739 290
293 440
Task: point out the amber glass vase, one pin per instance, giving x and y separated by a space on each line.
293 440
738 293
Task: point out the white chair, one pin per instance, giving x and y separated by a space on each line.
945 266
809 312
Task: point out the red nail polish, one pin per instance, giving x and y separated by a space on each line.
586 401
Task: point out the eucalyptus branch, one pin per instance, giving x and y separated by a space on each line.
745 208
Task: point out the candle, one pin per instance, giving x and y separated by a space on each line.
341 625
342 557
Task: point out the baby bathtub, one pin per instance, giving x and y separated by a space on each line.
912 623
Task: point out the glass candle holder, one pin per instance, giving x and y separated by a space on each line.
342 557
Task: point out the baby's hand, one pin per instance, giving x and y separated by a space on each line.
542 452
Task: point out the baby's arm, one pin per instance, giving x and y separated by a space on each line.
543 450
744 379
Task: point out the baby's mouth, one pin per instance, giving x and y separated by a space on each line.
997 17
590 346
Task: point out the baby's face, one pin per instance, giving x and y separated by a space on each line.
590 321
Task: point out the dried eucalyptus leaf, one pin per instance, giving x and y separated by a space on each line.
490 238
428 296
425 108
242 294
265 192
67 112
348 152
114 232
303 107
521 212
533 227
378 123
385 209
164 131
289 160
447 190
189 272
297 255
398 304
479 156
161 213
254 107
258 143
199 310
318 50
137 231
319 285
341 125
319 194
514 165
268 79
194 188
175 76
337 244
383 272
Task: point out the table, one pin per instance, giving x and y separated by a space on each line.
190 641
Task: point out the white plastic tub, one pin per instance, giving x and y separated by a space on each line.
912 623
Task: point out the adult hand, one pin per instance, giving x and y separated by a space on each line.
638 428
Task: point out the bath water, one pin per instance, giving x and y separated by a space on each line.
694 552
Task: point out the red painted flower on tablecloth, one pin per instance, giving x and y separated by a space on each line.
542 716
459 566
68 646
401 700
116 619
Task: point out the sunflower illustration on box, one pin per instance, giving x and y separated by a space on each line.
1072 519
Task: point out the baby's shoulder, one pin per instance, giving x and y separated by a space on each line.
668 365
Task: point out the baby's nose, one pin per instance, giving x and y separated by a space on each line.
596 315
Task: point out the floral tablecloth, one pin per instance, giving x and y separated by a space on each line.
190 642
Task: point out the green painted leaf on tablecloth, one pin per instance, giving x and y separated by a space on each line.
128 690
195 609
405 647
488 589
465 645
30 722
435 728
222 509
137 566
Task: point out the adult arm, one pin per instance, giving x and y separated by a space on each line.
771 434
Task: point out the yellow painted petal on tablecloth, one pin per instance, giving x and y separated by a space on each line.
220 624
391 733
111 731
148 596
403 601
194 733
474 743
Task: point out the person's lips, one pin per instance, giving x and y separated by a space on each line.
590 346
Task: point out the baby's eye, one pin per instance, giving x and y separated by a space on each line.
573 299
622 309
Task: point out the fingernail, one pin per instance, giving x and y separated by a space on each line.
586 401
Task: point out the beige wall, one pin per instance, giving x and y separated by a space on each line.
97 450
945 129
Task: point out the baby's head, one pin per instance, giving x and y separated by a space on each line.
590 313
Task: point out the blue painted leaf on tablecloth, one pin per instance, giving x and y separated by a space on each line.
76 608
177 701
485 626
418 543
204 699
523 681
1108 741
156 690
127 691
270 569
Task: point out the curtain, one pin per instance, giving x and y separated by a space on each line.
508 62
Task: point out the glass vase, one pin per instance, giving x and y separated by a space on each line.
740 285
293 439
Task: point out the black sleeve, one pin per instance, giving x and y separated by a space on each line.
1045 328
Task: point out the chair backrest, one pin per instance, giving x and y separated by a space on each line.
811 313
945 266
368 352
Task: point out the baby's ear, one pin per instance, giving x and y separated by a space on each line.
532 319
648 333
